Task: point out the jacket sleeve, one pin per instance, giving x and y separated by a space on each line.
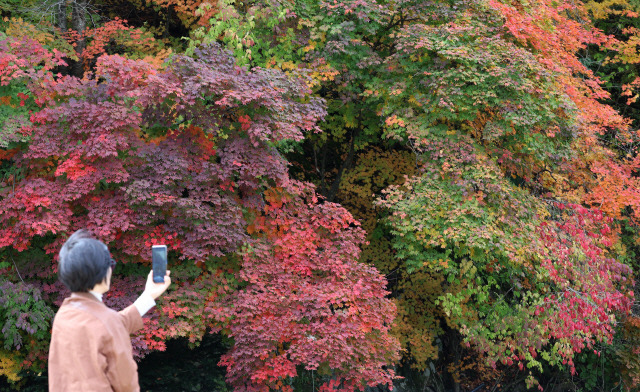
131 319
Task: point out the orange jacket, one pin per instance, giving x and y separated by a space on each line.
91 347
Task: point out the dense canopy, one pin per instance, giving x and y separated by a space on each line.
426 195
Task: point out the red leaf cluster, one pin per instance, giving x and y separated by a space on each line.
308 302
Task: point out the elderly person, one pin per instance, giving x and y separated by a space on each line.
90 343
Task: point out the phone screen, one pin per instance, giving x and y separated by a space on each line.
159 261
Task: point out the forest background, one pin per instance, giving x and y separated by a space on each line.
356 194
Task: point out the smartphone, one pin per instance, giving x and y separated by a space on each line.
159 262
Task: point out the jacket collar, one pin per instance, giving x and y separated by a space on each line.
85 296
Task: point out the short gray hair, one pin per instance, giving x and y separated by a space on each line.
83 261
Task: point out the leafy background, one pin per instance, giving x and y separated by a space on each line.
352 190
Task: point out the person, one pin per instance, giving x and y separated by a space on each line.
90 344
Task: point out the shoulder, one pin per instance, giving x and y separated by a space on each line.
82 309
77 328
84 306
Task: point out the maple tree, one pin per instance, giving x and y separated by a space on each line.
292 312
187 155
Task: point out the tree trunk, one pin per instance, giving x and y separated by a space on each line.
61 15
79 24
346 164
165 33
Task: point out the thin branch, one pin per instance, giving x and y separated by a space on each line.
16 267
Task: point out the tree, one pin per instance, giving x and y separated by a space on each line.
186 155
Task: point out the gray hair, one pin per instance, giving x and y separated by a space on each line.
83 261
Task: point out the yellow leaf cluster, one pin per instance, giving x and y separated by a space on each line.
417 324
9 366
375 170
604 9
19 29
159 58
322 73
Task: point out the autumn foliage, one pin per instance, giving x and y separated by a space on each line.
116 163
351 190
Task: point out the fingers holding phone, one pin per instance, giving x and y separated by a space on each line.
156 289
